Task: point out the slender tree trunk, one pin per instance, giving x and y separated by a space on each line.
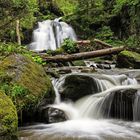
18 32
83 55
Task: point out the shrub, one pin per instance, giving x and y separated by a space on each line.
69 46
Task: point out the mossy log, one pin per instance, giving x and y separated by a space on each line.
83 55
104 44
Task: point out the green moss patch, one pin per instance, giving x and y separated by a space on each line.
128 59
25 82
8 116
131 54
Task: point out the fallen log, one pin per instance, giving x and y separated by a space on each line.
82 55
83 42
104 44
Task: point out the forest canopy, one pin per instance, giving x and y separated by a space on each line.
113 21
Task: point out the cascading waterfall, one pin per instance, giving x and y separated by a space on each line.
95 116
92 106
50 34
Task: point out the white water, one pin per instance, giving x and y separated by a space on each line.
50 34
86 115
86 129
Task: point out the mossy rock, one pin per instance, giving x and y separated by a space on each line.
128 59
26 83
8 118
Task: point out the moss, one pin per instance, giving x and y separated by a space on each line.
131 54
55 52
79 63
128 59
27 82
8 116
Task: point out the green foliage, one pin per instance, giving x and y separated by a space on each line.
132 41
107 35
11 10
67 6
114 21
38 60
55 52
69 46
104 33
14 91
18 91
10 48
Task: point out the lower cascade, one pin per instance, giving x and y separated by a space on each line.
108 111
50 34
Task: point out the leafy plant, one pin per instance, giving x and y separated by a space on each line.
18 91
14 91
69 46
132 42
38 60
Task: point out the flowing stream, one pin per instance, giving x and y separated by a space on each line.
99 116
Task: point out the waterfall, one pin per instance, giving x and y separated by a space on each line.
136 110
50 34
99 105
94 116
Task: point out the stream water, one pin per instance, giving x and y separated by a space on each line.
89 118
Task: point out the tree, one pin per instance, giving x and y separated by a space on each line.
13 10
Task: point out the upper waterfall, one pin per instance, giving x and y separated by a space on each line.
50 34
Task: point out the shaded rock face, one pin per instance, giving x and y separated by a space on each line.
8 118
26 83
52 115
121 106
128 59
77 86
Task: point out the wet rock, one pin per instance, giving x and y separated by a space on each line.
52 115
77 86
26 83
128 59
121 106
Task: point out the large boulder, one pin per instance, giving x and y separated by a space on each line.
77 86
8 118
26 83
128 59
